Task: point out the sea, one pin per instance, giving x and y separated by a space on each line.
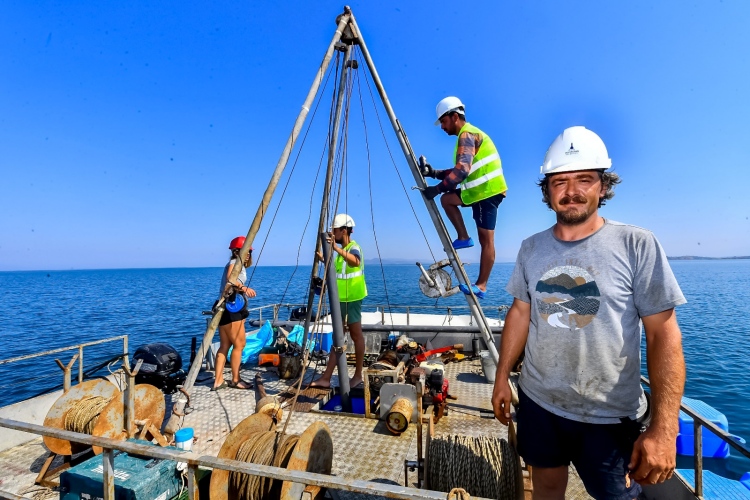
44 310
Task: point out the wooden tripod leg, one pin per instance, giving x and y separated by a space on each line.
45 473
157 435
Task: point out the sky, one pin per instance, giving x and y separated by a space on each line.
143 134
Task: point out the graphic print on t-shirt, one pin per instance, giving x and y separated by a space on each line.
567 297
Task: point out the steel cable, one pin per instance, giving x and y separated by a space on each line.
262 448
483 466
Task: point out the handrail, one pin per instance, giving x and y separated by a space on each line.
699 421
194 460
63 349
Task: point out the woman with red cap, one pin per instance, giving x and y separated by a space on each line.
232 324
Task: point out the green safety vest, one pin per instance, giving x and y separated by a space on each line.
351 280
486 176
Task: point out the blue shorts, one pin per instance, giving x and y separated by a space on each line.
599 452
484 211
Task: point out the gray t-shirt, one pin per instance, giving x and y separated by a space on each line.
583 357
241 278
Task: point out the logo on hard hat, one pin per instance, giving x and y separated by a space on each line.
572 150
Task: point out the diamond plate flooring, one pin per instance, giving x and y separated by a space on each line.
363 448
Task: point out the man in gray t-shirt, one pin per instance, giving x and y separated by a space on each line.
582 289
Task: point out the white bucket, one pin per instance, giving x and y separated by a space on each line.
183 439
488 366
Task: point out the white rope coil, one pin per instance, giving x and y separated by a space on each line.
483 466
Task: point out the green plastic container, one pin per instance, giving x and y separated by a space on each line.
136 478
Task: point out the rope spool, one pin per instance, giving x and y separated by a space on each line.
262 448
255 440
483 466
83 416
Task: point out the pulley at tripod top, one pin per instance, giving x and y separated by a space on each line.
437 275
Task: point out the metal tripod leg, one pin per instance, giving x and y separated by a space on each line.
437 220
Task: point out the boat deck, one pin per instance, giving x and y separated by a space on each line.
363 448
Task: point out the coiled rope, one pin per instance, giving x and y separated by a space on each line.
483 466
262 448
83 416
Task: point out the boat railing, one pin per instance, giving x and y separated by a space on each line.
698 423
193 461
272 311
67 368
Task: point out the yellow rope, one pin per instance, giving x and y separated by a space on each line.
83 416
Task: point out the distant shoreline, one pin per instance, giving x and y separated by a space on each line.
695 257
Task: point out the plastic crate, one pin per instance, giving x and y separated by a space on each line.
716 487
713 445
136 478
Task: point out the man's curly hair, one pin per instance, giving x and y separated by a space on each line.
609 180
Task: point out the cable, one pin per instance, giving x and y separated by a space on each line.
398 174
484 466
289 177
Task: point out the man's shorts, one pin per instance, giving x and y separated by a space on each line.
351 312
600 452
484 212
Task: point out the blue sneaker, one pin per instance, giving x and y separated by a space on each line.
477 291
459 244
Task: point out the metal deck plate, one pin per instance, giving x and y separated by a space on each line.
363 448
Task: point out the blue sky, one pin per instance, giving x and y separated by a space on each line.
142 134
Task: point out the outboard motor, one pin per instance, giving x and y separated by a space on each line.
162 367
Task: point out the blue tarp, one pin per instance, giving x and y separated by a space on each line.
255 342
296 336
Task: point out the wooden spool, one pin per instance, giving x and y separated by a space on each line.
397 420
56 415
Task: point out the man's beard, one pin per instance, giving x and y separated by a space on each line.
573 217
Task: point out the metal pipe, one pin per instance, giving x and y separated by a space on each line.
698 457
427 277
62 349
408 328
322 480
174 419
192 483
332 146
437 220
80 364
338 329
108 473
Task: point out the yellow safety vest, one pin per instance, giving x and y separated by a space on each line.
486 176
351 280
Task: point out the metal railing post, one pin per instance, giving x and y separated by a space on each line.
108 473
698 457
192 483
80 364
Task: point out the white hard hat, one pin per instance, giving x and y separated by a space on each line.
577 148
342 220
447 105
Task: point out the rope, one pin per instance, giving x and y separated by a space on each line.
485 466
458 494
83 416
262 448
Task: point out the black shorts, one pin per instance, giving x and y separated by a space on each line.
230 317
484 212
599 452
